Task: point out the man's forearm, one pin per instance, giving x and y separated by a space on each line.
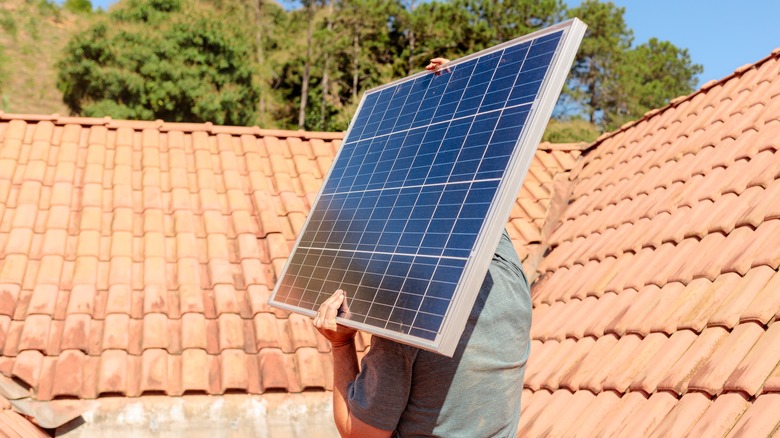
345 368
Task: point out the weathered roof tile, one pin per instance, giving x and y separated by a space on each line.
721 415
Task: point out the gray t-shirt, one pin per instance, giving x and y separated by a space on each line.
475 393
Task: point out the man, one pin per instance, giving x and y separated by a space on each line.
404 391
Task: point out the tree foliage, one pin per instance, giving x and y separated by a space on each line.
308 66
611 82
490 22
653 73
78 6
160 59
602 52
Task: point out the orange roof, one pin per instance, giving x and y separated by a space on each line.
656 310
137 257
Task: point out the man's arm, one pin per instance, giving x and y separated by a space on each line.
342 340
345 368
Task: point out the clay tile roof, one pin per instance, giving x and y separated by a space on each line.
656 309
138 257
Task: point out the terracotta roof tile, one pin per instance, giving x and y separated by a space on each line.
623 375
582 372
760 419
720 417
682 416
721 362
154 371
274 370
112 376
543 419
758 364
569 355
541 354
193 371
525 412
27 367
586 310
639 316
652 413
69 373
615 359
586 422
580 401
76 332
629 407
667 315
730 310
689 363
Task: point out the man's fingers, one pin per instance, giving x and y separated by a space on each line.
328 311
332 311
436 64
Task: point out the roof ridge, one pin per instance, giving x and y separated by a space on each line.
739 71
549 146
161 125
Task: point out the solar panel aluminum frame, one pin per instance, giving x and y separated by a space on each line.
489 235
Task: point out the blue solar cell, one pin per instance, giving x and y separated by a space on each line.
434 306
547 43
379 312
430 101
411 297
386 296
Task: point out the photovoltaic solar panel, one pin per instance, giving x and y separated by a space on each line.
413 207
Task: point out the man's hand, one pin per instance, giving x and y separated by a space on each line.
345 367
325 321
437 65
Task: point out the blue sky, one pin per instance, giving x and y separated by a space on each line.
721 35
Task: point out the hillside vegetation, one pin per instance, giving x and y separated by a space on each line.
305 67
32 36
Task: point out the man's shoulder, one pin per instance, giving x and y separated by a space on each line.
506 252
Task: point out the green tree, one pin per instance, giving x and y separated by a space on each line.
593 83
654 73
611 82
270 28
78 6
309 7
161 59
353 45
570 131
431 29
491 22
367 32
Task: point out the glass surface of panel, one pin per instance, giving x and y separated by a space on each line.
408 217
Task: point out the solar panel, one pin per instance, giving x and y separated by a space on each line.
412 210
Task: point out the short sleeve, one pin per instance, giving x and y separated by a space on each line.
379 394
